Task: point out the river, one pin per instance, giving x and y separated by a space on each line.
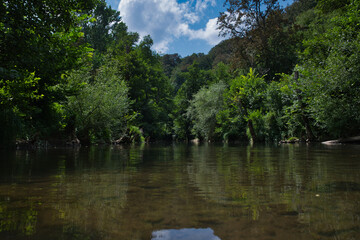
181 192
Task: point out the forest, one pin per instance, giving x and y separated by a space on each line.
71 72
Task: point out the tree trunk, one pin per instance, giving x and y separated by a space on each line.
252 131
309 134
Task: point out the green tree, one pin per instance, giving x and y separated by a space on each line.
169 62
40 40
149 88
98 111
330 69
262 37
100 32
221 52
203 109
195 78
287 110
246 96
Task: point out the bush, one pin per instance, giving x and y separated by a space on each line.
99 108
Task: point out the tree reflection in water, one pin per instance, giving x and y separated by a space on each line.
293 192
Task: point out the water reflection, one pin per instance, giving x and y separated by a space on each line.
238 192
185 234
312 185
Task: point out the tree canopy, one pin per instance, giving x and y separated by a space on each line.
71 70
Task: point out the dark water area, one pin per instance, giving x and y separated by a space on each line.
181 192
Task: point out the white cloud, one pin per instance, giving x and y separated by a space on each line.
166 20
210 34
201 5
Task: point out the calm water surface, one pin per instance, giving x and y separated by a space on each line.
200 192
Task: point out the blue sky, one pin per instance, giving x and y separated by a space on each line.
176 26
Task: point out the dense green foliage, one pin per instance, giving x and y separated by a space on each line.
330 69
203 109
71 70
40 40
98 110
317 99
80 76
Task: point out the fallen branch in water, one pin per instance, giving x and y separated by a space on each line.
344 140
